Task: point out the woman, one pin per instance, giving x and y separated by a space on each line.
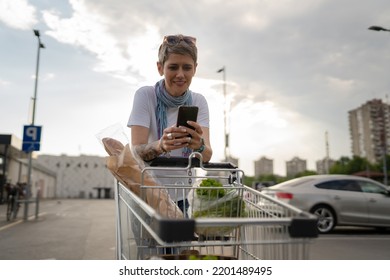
155 108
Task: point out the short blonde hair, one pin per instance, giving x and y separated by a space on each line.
182 47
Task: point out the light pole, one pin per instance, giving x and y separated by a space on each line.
40 46
29 181
223 70
385 118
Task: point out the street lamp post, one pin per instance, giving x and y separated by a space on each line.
29 181
226 135
385 177
40 46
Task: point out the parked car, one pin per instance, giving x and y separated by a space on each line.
337 200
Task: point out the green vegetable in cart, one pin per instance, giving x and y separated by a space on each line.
214 192
233 206
211 199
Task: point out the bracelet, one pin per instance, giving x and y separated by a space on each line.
202 146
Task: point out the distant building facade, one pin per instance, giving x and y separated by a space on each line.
295 166
80 176
370 130
264 166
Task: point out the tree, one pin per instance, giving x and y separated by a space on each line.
346 165
248 180
305 173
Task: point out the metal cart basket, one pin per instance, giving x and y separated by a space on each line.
262 228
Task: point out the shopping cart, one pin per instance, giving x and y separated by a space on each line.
265 229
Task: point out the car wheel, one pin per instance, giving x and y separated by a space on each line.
326 218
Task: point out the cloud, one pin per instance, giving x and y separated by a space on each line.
4 83
127 57
18 14
45 77
340 85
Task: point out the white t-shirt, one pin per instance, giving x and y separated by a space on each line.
144 114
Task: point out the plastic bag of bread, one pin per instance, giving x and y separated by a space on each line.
127 167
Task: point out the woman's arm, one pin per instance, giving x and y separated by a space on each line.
208 153
139 139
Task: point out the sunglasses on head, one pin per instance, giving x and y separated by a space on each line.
176 39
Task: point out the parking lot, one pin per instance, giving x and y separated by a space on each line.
85 230
65 229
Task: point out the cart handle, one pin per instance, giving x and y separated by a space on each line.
190 162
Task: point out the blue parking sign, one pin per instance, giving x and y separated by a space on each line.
31 138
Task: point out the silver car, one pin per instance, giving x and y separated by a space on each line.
337 200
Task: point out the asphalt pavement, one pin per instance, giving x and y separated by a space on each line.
84 229
66 229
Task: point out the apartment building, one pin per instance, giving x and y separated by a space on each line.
295 166
264 166
370 130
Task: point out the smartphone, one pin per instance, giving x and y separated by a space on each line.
187 113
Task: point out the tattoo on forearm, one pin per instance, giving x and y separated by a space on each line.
147 151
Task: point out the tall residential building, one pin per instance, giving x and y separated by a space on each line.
295 166
264 166
370 130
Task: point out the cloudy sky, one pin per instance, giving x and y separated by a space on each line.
294 68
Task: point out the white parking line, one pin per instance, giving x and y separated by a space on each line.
20 221
10 225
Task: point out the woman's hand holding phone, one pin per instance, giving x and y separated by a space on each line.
186 133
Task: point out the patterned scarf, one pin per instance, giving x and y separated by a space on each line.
165 101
